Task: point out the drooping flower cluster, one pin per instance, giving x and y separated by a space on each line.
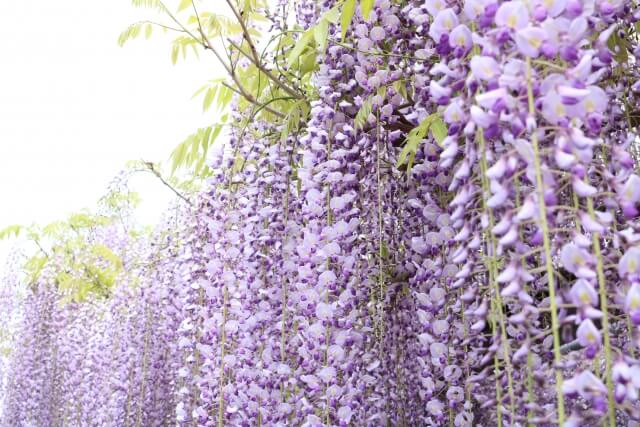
490 275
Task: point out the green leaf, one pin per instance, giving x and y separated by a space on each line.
308 63
10 231
152 4
148 31
619 47
300 46
175 50
183 5
438 130
415 137
130 33
366 6
363 113
209 97
332 15
192 152
384 250
321 34
400 87
348 11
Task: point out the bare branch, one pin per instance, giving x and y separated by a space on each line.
150 167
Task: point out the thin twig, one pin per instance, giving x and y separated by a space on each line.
268 73
240 91
151 168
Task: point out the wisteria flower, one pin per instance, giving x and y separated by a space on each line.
444 22
513 15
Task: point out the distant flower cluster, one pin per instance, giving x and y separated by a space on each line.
493 281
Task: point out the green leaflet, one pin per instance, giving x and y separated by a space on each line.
321 34
130 33
10 231
298 112
318 34
366 6
183 5
438 130
148 30
417 134
363 113
151 4
367 107
302 43
192 152
348 11
619 47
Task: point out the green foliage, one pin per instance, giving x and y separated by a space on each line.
192 152
10 231
184 4
293 121
415 137
620 47
366 6
438 130
150 4
367 107
131 32
363 113
348 10
70 252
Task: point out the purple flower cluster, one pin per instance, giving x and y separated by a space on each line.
320 280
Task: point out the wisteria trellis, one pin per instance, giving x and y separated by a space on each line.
493 281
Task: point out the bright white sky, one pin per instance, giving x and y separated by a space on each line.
75 107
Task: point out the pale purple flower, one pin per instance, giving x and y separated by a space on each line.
589 224
327 374
529 40
629 264
454 112
494 98
583 189
474 8
461 37
553 7
630 192
444 22
324 311
595 101
482 118
435 407
435 6
513 15
577 261
344 414
589 337
582 293
553 110
377 34
584 384
632 303
484 67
